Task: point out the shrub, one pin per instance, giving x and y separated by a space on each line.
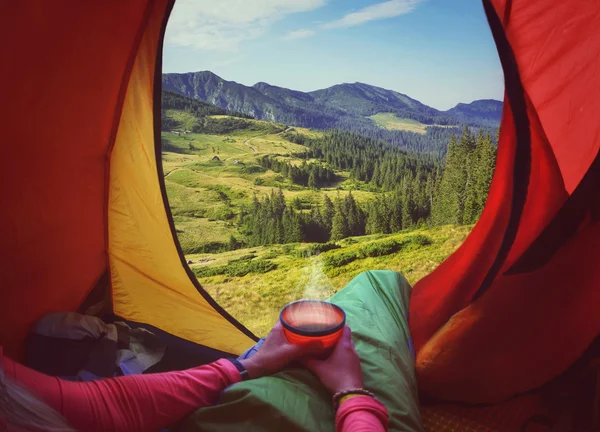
222 213
234 243
253 169
388 247
338 260
210 247
379 249
415 242
247 257
261 266
236 268
207 271
315 248
289 249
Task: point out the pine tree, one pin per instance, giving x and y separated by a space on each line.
395 210
472 208
312 182
314 227
481 169
378 216
339 226
429 192
485 172
232 244
328 213
465 179
450 203
408 202
355 216
293 227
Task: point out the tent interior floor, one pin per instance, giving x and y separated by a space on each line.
508 416
570 402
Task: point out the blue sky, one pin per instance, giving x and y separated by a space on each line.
440 52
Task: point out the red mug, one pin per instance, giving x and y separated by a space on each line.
312 321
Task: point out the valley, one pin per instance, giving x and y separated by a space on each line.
254 202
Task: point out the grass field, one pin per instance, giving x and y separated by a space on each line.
209 177
391 122
255 299
186 120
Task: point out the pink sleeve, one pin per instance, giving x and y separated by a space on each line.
144 402
361 414
132 403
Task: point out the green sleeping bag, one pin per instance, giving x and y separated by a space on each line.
376 305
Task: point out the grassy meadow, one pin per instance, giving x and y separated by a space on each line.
209 177
256 298
392 122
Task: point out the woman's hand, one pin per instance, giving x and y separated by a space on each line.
276 353
341 370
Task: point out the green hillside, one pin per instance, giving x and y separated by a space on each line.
255 298
254 201
209 177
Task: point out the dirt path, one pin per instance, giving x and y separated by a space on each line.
250 139
247 142
171 172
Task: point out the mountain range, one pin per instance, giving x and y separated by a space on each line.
345 106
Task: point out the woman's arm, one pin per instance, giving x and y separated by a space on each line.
154 401
132 403
144 402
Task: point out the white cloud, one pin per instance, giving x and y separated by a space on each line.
388 9
299 34
223 25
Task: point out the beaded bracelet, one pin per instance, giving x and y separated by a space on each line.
353 391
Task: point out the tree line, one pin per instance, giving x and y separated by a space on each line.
414 192
312 175
270 220
468 170
370 160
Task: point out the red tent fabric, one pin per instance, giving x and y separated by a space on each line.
65 69
518 301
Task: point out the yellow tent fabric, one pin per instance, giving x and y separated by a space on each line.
149 283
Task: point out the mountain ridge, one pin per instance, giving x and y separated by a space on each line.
345 105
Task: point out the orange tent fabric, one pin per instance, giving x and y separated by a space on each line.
517 303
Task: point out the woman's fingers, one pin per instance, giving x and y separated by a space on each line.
346 334
312 364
